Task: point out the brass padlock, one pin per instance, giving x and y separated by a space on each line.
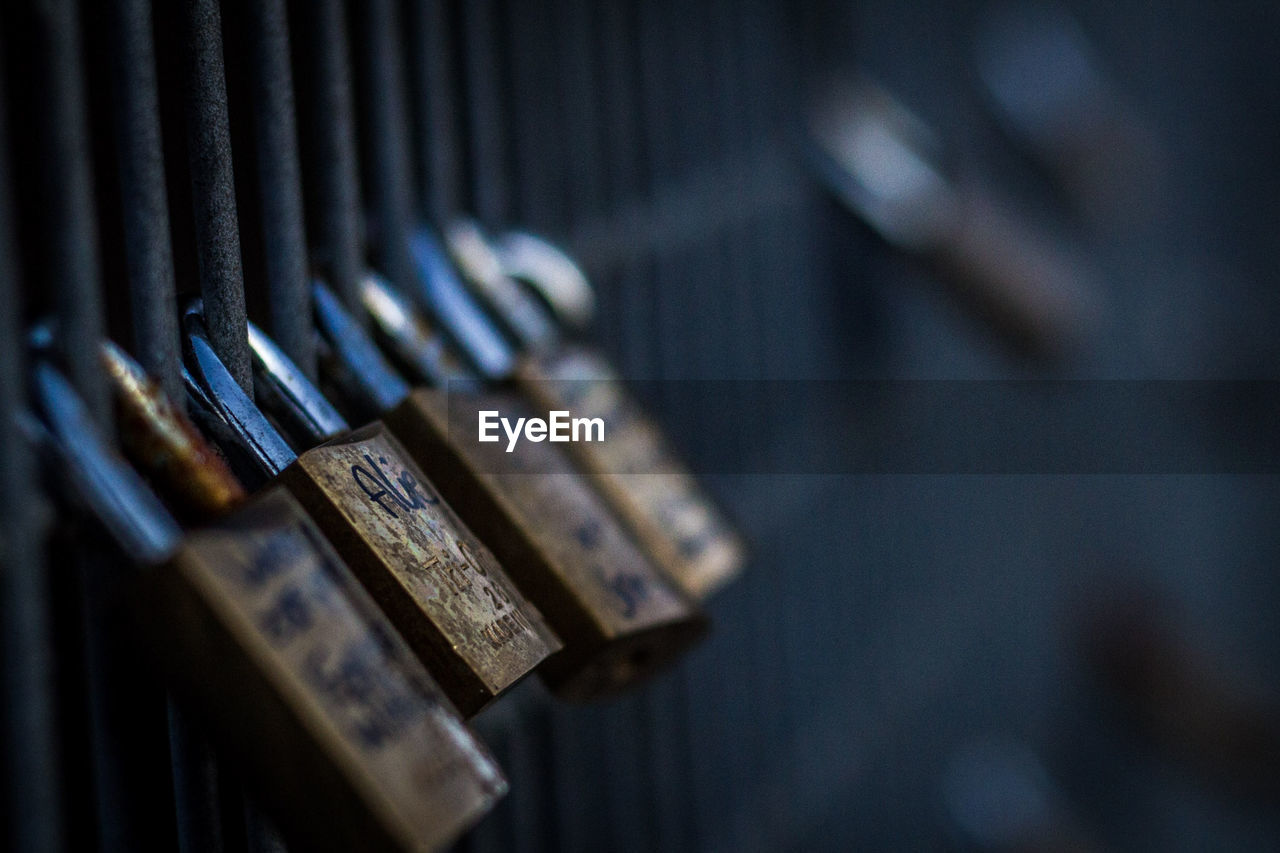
620 618
635 467
298 673
637 470
442 588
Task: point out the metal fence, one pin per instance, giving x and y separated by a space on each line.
882 620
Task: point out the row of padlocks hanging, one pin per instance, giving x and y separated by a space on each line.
341 594
332 572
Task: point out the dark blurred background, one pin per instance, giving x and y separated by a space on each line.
923 661
916 662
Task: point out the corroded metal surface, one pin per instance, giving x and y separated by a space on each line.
164 443
637 471
266 628
442 588
620 618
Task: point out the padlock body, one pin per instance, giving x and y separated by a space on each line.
619 617
637 471
444 591
311 688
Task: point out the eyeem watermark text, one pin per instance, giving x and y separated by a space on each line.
559 427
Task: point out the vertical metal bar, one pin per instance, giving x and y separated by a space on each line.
737 260
631 801
773 320
385 136
750 708
112 714
71 256
434 107
128 717
280 184
662 147
497 102
242 825
150 277
663 797
641 815
577 736
144 202
630 167
678 140
196 789
490 194
539 169
30 748
125 751
534 762
213 188
326 116
585 191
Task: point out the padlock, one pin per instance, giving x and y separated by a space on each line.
637 470
620 618
884 164
442 588
299 674
635 467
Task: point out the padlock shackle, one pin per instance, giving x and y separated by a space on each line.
411 340
520 315
305 412
161 440
440 291
882 161
215 391
550 273
362 371
112 491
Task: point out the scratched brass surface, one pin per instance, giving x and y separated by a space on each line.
351 740
443 589
643 480
619 617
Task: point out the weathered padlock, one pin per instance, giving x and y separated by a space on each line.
620 618
298 673
442 588
637 471
884 164
635 467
